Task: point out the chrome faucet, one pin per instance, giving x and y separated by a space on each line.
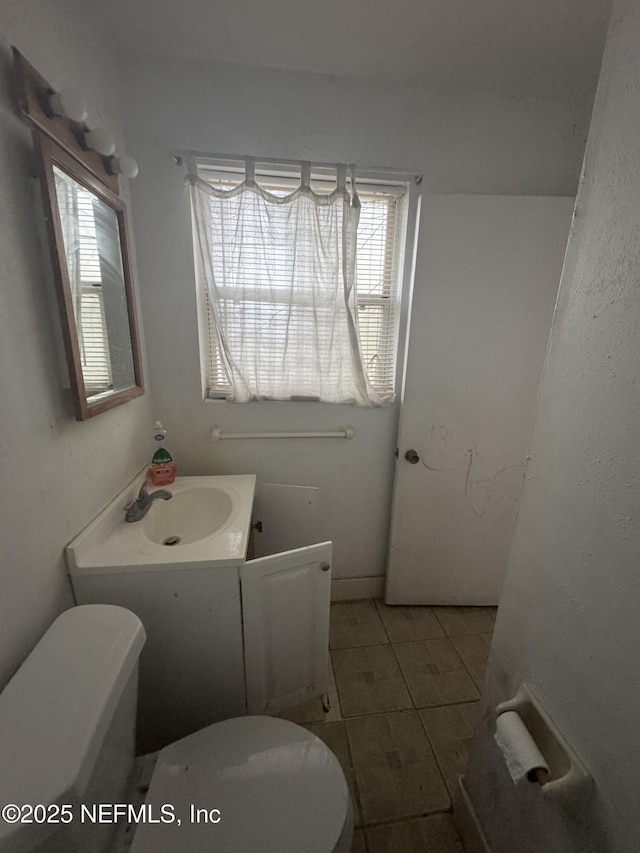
136 510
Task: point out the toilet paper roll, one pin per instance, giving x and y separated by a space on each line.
522 756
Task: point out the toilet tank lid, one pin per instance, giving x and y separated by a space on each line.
55 711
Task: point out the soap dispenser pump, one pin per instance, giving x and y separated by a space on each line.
162 471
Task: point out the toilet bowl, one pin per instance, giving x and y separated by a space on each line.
273 786
67 729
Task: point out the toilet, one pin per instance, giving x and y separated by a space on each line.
67 733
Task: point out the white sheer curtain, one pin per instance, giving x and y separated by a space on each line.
279 273
67 195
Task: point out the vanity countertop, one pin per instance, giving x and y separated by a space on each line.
210 516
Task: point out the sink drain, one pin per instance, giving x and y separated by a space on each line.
171 540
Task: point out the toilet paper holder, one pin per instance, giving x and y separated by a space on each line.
568 780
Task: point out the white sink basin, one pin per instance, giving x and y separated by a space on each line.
205 523
191 515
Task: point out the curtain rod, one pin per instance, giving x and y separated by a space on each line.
179 156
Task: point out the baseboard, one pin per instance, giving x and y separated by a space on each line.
347 589
467 823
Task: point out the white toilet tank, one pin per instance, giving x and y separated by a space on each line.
67 727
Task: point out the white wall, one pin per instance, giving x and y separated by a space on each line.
56 474
474 145
569 620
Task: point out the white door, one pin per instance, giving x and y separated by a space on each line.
486 279
285 614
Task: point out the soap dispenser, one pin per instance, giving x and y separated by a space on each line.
162 471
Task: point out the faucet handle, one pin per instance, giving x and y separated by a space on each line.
143 494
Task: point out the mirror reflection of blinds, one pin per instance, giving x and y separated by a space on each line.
378 259
94 340
89 257
94 352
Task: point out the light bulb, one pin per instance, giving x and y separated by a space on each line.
68 103
124 165
101 140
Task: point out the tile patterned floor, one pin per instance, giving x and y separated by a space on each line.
404 690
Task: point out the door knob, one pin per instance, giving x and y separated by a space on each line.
412 456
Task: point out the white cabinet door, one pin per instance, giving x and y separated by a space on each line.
285 614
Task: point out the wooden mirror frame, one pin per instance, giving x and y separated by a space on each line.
59 142
51 154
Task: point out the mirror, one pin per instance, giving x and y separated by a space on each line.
88 239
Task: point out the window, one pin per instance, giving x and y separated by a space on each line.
377 275
380 239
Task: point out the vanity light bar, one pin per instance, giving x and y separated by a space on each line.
63 116
34 93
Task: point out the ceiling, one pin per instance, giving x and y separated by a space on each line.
518 47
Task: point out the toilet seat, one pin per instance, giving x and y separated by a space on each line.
278 789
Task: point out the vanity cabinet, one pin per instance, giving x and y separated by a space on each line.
223 641
225 636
